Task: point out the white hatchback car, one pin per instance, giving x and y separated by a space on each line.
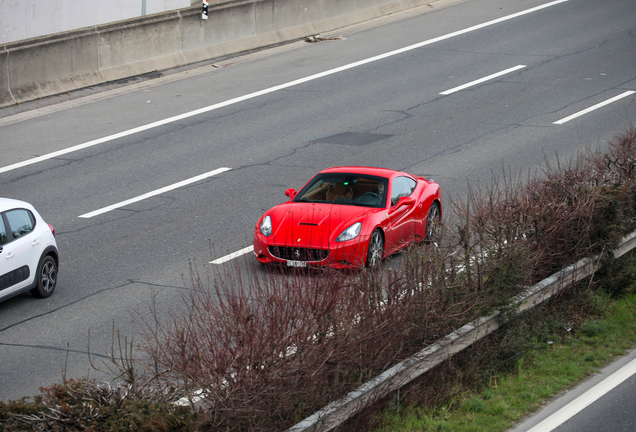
28 252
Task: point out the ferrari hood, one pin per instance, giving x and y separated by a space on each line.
312 224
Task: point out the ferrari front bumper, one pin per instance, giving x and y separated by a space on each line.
338 255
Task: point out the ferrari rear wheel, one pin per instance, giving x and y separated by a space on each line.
376 249
432 222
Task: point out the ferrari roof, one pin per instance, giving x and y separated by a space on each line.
380 172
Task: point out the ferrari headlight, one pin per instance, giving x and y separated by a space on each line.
350 233
266 226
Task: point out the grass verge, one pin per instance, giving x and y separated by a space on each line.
538 376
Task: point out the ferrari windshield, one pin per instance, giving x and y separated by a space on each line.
347 189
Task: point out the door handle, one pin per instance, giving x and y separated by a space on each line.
10 255
35 242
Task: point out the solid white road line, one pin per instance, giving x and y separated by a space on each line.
233 255
155 192
481 80
586 399
592 108
272 89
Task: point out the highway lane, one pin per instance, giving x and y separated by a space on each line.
576 54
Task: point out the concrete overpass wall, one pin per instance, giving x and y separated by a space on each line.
22 19
47 65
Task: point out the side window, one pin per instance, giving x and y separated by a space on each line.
401 187
21 222
3 232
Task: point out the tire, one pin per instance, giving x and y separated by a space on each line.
46 278
432 222
375 250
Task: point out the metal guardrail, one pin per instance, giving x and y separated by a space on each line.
402 373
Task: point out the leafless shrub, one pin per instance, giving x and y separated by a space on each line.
566 212
266 349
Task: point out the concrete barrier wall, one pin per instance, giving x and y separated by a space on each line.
5 95
43 66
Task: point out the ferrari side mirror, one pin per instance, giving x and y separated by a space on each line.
404 201
291 193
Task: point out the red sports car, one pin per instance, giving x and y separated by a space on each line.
348 217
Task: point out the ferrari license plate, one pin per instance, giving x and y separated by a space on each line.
292 263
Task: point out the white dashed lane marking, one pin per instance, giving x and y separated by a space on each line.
595 107
481 80
233 255
154 193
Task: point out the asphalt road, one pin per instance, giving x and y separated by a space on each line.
274 118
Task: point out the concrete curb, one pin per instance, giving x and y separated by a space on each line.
402 373
52 64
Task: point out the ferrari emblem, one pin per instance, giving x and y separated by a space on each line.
387 216
298 240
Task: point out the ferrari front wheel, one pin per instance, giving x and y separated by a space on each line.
432 222
376 249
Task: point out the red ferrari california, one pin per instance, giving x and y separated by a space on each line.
348 217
